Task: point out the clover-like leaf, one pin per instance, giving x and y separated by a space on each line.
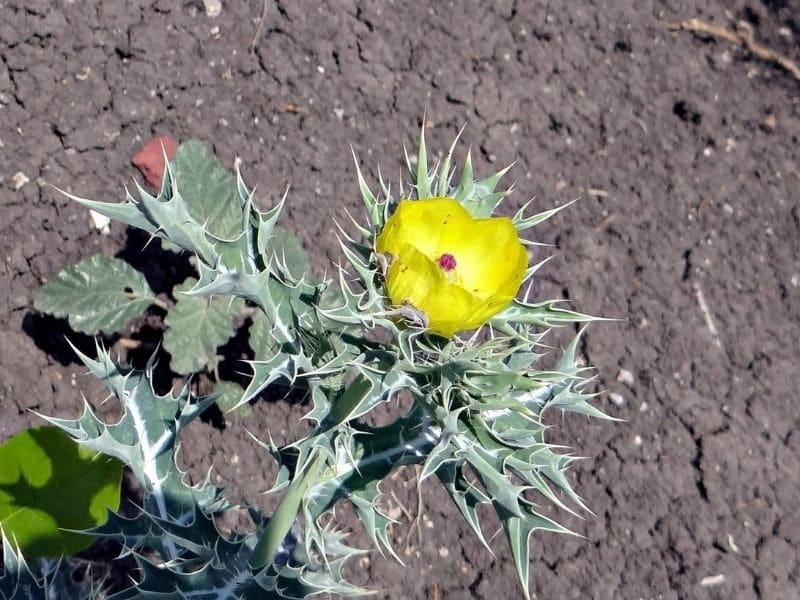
208 189
100 293
49 484
197 326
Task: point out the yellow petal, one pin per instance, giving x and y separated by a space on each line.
480 275
489 256
414 279
420 224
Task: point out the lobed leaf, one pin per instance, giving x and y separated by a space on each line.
48 485
196 327
100 293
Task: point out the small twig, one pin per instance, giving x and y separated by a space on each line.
406 513
418 519
701 300
129 343
742 38
605 222
259 29
160 304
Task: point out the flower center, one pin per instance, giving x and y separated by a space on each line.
446 262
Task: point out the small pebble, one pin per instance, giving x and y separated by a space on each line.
101 222
617 399
19 179
625 377
795 280
637 440
339 112
444 552
394 513
643 407
712 580
213 7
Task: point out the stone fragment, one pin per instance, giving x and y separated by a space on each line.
213 7
19 179
625 377
150 159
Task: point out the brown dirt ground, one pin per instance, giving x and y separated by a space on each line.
683 150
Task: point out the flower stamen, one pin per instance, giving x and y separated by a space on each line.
446 262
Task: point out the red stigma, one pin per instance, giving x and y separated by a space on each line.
447 262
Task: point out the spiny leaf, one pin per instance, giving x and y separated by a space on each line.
42 580
261 339
288 250
197 326
209 190
522 222
421 180
542 314
100 293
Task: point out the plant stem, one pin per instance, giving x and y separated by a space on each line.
284 516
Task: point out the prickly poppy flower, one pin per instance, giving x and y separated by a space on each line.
455 271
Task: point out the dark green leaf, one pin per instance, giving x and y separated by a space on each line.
49 483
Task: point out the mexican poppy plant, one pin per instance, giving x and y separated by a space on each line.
454 270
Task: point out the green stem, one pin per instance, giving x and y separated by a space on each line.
284 516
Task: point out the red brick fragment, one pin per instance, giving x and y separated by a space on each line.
150 159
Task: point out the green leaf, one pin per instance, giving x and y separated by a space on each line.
228 395
288 251
209 190
197 326
261 340
100 293
49 483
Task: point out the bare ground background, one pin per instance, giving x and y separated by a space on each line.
684 152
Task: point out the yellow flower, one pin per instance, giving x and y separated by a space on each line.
456 270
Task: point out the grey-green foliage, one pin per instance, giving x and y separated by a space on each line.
176 519
43 579
100 293
196 327
477 422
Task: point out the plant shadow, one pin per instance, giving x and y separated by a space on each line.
163 269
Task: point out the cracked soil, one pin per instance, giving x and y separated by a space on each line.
682 149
